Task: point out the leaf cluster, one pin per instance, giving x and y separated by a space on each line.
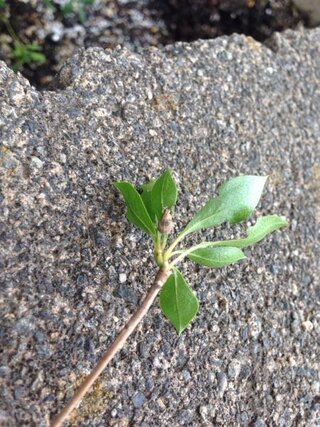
77 7
27 53
235 202
22 53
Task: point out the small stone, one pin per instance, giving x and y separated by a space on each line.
316 387
222 382
56 30
259 423
127 294
122 277
245 372
149 384
161 404
19 392
17 93
295 323
203 410
152 132
234 368
4 372
143 350
157 363
149 94
307 325
186 375
36 163
119 422
138 400
255 326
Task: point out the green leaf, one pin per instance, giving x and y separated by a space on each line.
178 302
34 47
216 257
146 197
163 194
82 14
237 199
49 3
67 8
264 226
27 53
38 57
137 212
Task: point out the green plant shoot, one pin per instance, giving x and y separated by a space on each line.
151 210
22 53
77 7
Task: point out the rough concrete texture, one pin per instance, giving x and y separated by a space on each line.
73 269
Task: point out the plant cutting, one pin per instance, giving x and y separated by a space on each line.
151 209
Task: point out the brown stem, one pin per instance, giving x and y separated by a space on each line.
127 330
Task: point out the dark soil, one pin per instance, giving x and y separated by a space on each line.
190 20
134 24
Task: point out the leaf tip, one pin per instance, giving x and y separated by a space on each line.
285 222
264 179
118 184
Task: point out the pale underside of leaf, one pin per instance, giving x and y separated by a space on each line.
216 257
264 226
236 201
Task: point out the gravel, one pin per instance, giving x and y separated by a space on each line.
138 400
209 110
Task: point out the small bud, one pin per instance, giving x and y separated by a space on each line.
165 225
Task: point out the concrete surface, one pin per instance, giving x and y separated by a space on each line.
210 110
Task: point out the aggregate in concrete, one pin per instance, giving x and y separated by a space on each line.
73 269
